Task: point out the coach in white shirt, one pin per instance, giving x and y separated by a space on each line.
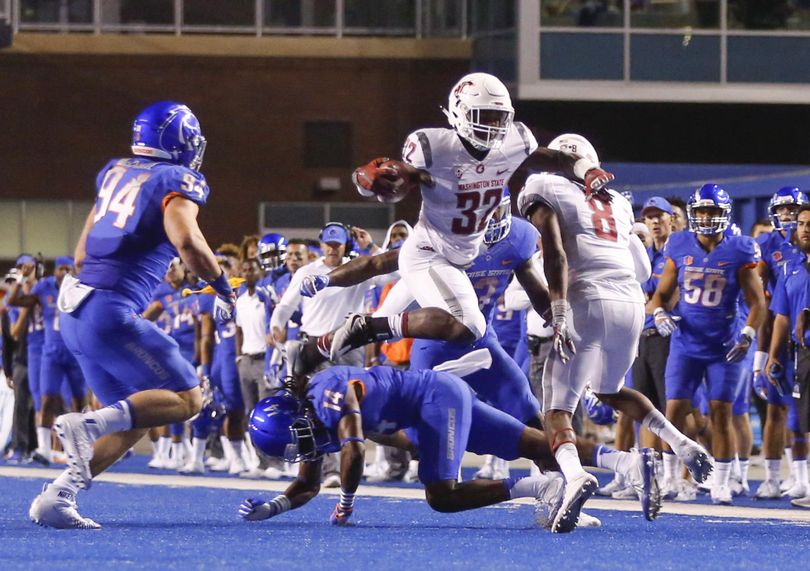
251 344
326 311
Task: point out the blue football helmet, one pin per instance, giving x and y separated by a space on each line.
786 196
272 251
709 196
280 427
170 131
500 223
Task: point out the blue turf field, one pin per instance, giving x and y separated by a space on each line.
159 527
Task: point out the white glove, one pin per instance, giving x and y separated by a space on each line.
256 509
223 308
562 340
665 323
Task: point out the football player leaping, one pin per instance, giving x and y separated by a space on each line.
462 173
593 264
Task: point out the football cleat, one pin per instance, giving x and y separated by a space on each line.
332 481
588 521
642 479
625 493
487 470
500 469
37 458
798 490
272 473
669 489
237 467
192 467
55 507
77 442
697 461
801 502
687 491
787 484
355 332
721 495
577 492
768 490
616 484
412 475
549 497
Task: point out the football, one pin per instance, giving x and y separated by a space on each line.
392 182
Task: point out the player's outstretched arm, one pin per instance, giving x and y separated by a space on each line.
352 455
305 487
664 323
180 223
571 166
352 273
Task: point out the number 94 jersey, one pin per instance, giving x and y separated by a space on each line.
456 210
127 248
595 235
709 290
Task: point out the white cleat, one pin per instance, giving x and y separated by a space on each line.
616 484
687 491
272 473
798 490
500 469
801 502
548 498
577 492
237 467
332 481
487 469
412 475
697 461
56 508
787 484
157 463
768 490
588 521
77 442
669 491
737 487
721 495
218 464
253 474
192 467
625 493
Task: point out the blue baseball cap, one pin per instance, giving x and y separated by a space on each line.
658 203
63 261
334 233
24 259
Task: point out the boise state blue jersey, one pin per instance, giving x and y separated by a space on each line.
36 328
391 399
280 285
792 294
182 313
225 331
47 292
709 290
657 261
491 270
127 247
776 252
507 324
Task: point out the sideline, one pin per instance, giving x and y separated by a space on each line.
670 508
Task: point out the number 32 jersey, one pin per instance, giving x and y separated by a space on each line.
595 236
709 290
456 210
127 248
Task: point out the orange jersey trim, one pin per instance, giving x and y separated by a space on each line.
168 198
362 385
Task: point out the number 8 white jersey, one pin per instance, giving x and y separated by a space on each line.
456 210
595 234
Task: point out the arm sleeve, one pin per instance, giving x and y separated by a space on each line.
288 303
416 150
641 260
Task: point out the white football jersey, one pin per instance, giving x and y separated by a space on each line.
595 234
456 210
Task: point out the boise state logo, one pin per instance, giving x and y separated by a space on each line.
777 256
687 260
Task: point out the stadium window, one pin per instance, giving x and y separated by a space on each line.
327 144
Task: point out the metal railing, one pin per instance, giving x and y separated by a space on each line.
402 18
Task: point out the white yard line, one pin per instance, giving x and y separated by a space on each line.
691 509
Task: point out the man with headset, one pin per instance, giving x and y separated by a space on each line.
326 311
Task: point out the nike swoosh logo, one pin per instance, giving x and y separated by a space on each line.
506 262
721 264
503 171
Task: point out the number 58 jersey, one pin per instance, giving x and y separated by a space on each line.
127 247
709 290
595 236
455 211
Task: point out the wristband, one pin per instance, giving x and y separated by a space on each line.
279 505
221 285
559 307
760 358
582 166
657 311
749 331
345 441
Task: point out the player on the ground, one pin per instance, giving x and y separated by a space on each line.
462 172
778 248
340 406
710 269
145 214
593 264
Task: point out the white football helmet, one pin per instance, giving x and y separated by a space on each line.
480 110
575 144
